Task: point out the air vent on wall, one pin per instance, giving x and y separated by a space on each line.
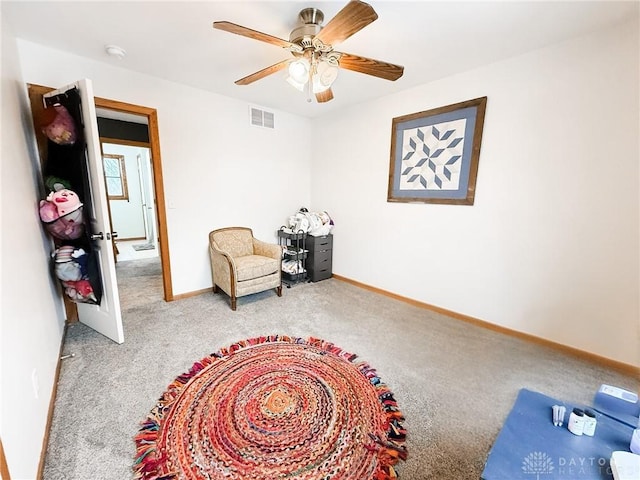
261 118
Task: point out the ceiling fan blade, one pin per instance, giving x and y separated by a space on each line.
351 19
256 35
325 96
369 66
263 73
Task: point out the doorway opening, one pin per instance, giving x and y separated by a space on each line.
131 198
147 175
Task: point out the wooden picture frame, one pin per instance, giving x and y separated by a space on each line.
115 176
435 154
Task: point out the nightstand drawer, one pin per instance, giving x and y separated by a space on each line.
318 257
318 275
324 242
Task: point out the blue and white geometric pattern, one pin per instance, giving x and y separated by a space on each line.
432 156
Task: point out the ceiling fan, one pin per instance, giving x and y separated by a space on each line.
316 64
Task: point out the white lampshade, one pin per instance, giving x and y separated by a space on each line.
324 77
299 70
327 73
299 85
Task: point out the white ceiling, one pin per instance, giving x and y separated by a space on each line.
175 40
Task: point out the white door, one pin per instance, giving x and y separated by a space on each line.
105 318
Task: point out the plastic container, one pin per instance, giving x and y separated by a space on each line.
576 422
590 422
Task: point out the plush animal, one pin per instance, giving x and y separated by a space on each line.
80 291
68 271
69 227
59 126
65 200
56 183
70 263
48 211
84 288
61 214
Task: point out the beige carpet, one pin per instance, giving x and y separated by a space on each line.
454 382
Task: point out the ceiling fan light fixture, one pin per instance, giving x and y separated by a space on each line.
297 85
299 70
326 73
318 86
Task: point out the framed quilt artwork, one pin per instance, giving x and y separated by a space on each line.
435 154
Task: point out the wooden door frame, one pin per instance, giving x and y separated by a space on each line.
35 96
158 183
4 468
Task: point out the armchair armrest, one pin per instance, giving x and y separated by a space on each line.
265 249
223 268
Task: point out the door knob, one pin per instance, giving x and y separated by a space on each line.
97 236
114 234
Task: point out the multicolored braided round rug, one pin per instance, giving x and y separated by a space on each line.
271 408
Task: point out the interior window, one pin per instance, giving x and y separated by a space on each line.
115 177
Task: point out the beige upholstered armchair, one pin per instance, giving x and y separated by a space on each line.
242 265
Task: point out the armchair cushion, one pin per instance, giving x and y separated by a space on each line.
254 266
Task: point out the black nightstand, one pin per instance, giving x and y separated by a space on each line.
320 257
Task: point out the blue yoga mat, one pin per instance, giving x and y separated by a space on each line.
530 447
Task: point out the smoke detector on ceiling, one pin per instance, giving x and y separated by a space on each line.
115 51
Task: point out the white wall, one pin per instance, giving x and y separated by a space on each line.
32 322
551 245
126 215
218 170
